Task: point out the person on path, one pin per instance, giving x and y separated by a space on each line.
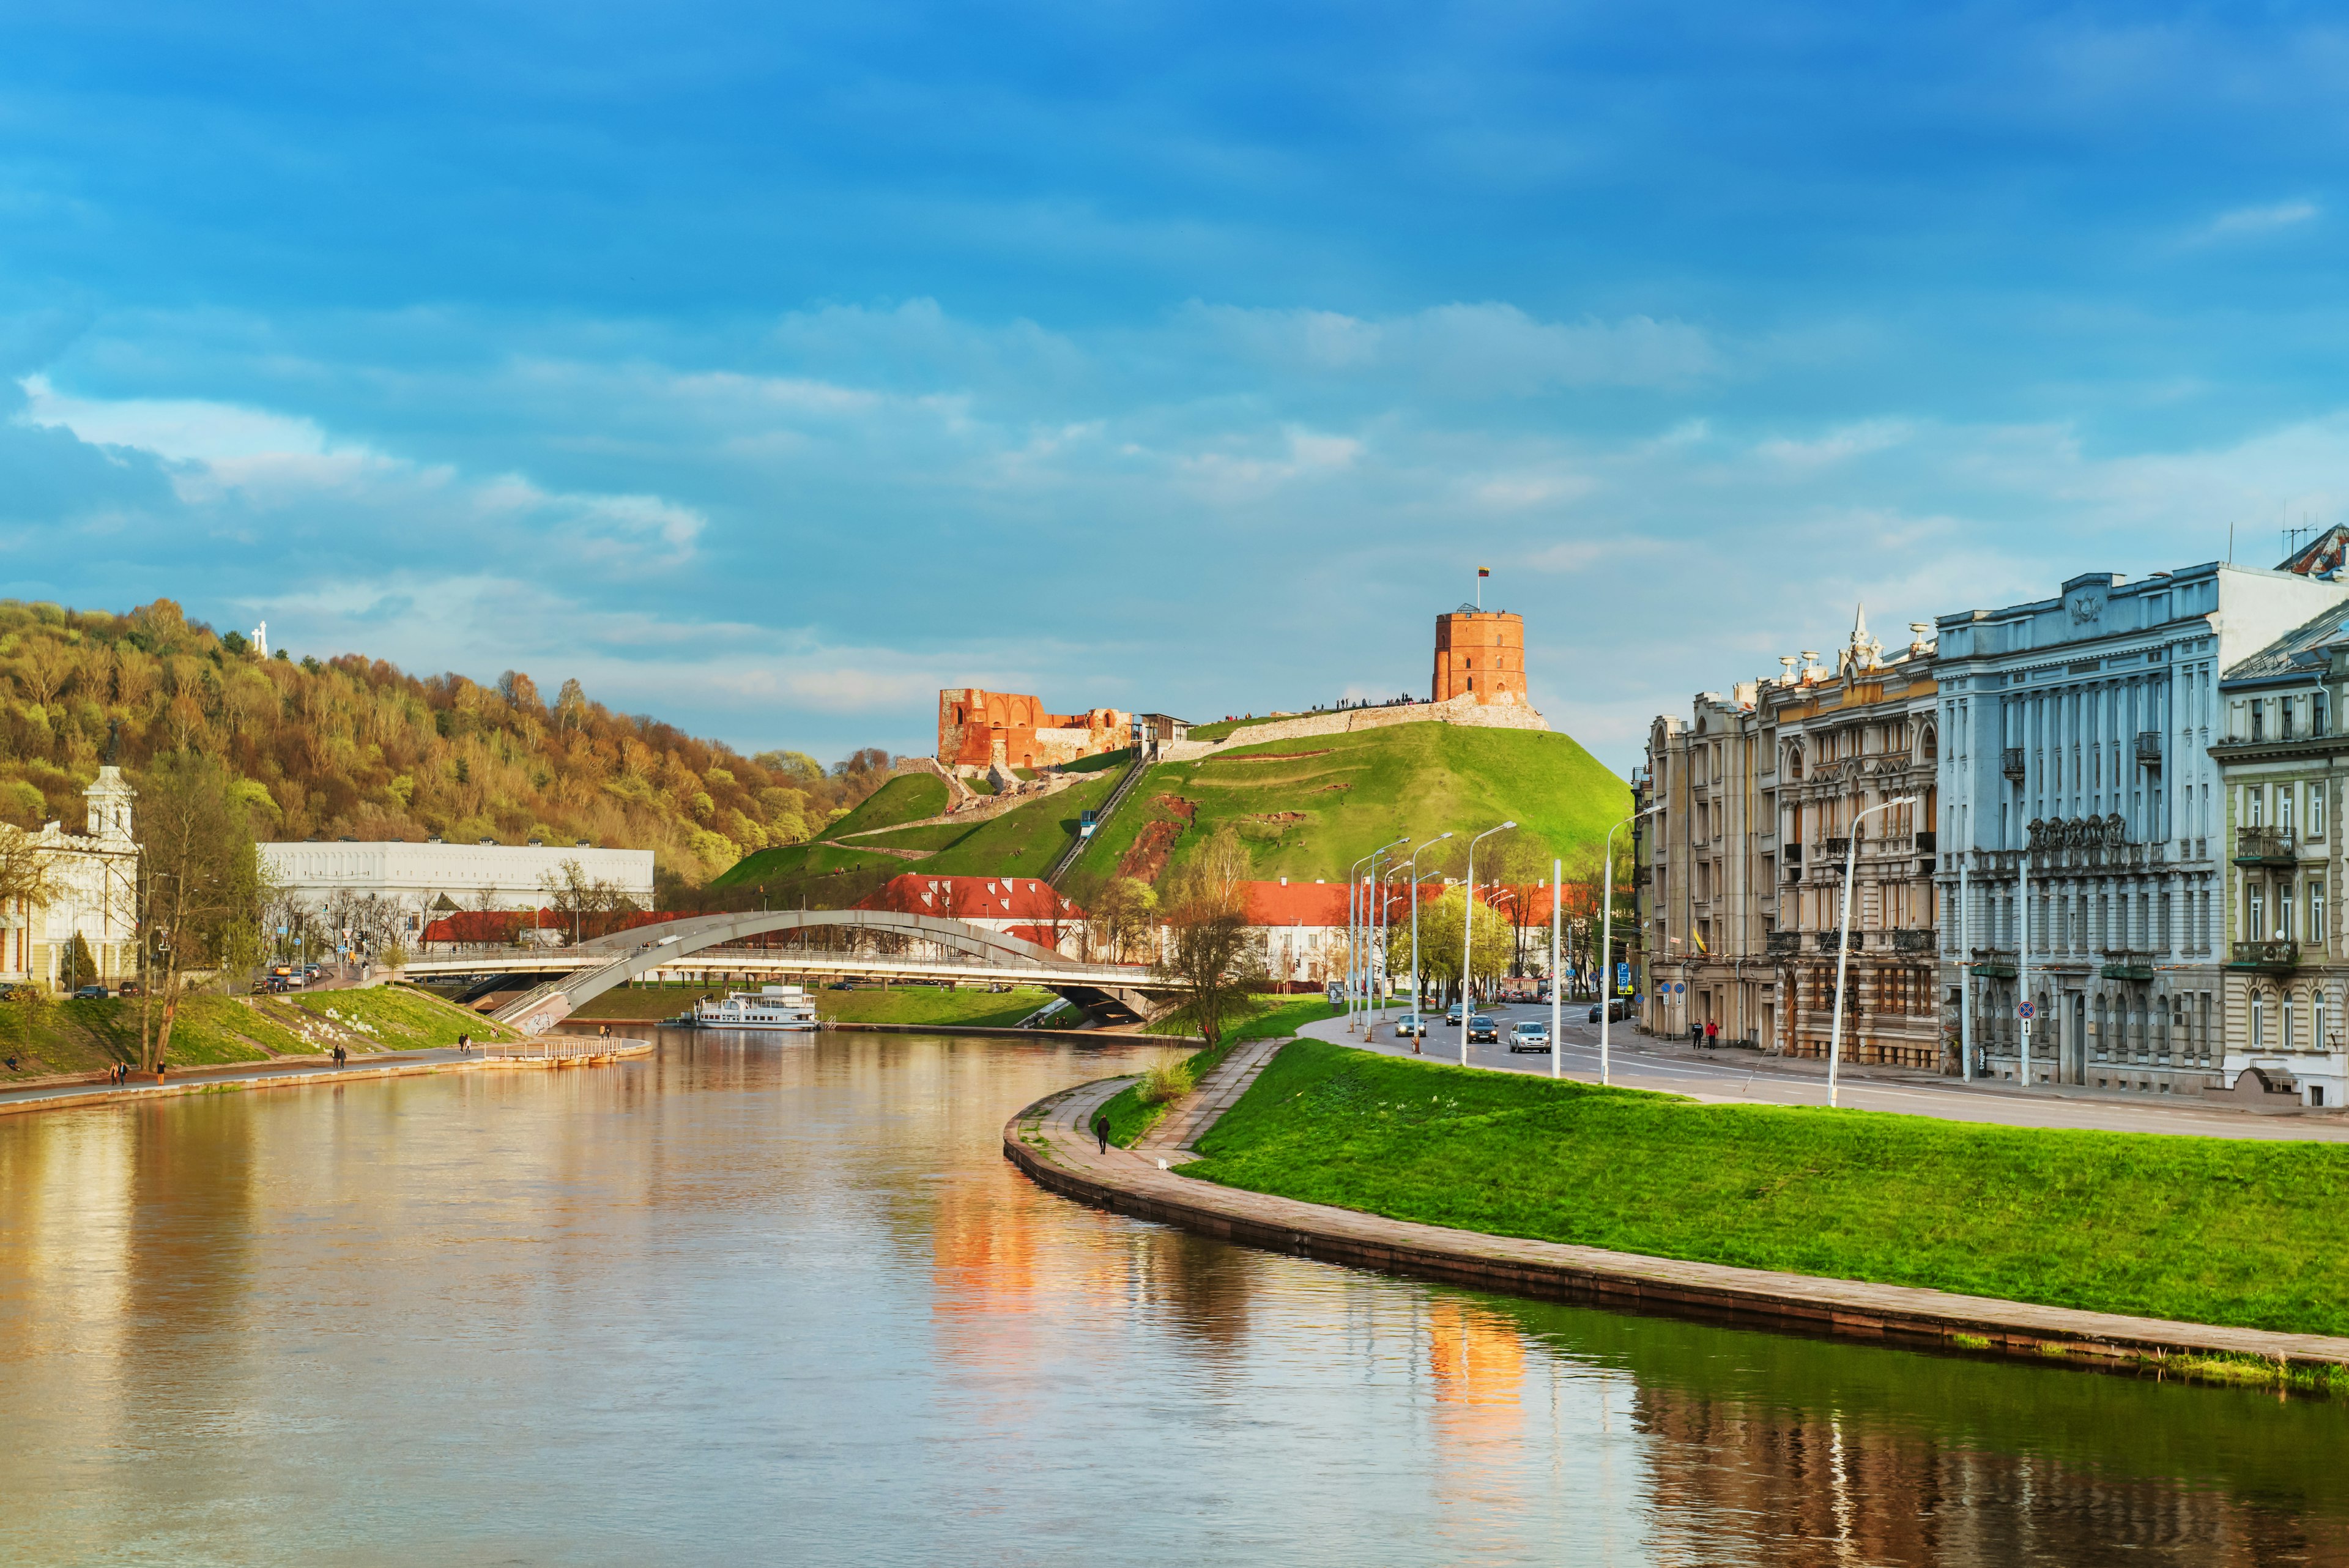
1713 1031
1101 1131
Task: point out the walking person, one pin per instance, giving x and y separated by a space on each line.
1713 1032
1101 1131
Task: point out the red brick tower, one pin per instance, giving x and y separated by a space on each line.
1480 654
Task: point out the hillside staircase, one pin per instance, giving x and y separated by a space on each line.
1077 841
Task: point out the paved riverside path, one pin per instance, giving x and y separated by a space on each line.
1732 1075
1175 1138
1052 1142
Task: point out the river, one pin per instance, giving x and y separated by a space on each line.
767 1301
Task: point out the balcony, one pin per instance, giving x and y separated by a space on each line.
1925 843
2009 762
1992 963
1781 943
2264 846
2127 964
2278 957
1827 940
1919 941
1834 848
2148 747
1794 872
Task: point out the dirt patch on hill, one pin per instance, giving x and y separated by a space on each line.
1272 757
1147 857
1276 817
1326 788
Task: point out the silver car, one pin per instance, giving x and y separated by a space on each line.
1530 1034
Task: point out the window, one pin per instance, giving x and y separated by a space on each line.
2255 801
2258 1023
2316 1017
2255 924
2317 810
2284 793
2316 911
2259 721
2285 1042
2284 705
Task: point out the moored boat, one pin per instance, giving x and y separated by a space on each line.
770 1007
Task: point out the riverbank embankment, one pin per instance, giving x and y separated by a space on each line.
1050 1143
355 1070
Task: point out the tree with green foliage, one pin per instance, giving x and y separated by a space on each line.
1123 916
76 966
1439 943
204 887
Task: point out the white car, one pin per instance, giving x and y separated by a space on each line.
1531 1034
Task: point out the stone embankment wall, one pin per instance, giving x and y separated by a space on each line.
1463 710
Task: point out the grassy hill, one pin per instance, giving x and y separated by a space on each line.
906 797
1306 809
88 1036
1311 807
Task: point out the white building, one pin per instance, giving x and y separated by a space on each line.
469 875
2076 736
94 883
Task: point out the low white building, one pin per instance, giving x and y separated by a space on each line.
94 890
417 876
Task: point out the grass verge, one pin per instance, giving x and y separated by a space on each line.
1130 1118
2197 1229
211 1030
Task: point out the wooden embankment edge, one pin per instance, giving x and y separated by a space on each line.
1063 1160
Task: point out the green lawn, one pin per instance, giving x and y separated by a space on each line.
1305 816
1022 842
898 1005
88 1036
1129 1119
2202 1230
906 797
928 838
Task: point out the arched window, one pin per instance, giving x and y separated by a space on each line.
1793 762
1929 746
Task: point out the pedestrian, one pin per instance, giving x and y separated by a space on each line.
1101 1131
603 1031
1713 1031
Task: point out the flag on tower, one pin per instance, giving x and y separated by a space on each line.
1484 571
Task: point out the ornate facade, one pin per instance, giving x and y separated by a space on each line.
1843 743
2075 733
94 892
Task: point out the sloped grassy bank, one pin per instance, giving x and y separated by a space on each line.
2196 1230
88 1036
1130 1115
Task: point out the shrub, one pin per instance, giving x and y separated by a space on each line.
1166 1082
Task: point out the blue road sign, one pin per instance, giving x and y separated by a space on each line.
2026 1010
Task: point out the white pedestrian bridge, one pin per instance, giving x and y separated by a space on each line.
569 977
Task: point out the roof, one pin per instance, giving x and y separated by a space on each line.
971 898
1326 904
2304 650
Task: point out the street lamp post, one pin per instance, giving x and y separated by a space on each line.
1418 997
1843 945
1467 932
1370 954
1353 937
1607 936
1557 981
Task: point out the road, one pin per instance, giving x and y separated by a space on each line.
1748 1076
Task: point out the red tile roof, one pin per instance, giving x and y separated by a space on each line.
972 897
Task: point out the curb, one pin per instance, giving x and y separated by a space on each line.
1057 1157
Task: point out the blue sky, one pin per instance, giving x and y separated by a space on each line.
769 369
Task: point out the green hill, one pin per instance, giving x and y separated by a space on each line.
1311 807
1305 808
906 797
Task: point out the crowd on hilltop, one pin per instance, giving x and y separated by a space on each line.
1341 705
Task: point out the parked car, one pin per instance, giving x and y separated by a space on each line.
1616 1010
130 988
1530 1035
89 993
1483 1030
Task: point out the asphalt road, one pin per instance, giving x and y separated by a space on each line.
1635 1061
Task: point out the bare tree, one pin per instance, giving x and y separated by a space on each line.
205 886
1210 958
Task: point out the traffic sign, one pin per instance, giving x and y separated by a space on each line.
1622 974
2026 1010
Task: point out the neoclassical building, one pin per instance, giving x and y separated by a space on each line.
1844 743
2281 759
2078 789
94 890
1739 875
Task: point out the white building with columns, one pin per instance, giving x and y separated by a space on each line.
2074 741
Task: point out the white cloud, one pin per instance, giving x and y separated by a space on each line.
183 430
1488 349
2261 220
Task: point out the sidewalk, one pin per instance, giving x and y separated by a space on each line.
1175 1138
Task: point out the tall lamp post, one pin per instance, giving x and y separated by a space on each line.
1557 981
1607 936
1418 997
1353 936
1843 945
1370 954
1467 932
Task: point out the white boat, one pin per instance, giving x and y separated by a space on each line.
771 1007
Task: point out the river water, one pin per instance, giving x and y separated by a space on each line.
766 1302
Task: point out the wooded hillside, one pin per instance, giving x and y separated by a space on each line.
354 747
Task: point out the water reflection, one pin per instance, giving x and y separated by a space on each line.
784 1300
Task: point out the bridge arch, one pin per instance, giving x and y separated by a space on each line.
630 955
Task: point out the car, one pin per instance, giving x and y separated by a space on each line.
1482 1030
1617 1012
1411 1025
89 993
130 988
1452 1018
1531 1034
